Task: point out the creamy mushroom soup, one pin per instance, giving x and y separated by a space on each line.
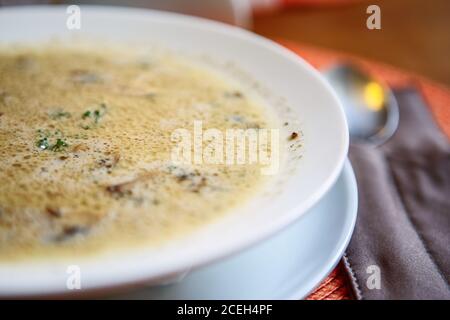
85 149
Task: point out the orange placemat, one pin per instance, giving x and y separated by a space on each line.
337 286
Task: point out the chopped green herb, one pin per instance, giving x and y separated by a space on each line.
86 114
43 143
59 145
94 115
97 116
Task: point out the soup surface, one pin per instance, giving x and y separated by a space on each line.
85 149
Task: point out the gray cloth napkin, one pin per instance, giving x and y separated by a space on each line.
402 233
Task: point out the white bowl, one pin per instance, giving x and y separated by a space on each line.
299 185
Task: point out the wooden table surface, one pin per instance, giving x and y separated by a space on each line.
415 34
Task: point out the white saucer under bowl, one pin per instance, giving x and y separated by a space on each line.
287 266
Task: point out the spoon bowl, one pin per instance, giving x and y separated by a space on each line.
369 105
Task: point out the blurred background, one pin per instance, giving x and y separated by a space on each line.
415 34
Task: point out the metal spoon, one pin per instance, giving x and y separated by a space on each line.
370 107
